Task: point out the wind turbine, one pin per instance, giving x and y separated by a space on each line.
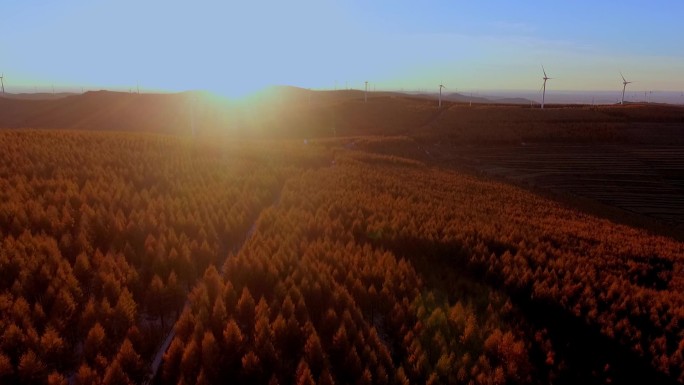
624 86
544 87
440 95
3 83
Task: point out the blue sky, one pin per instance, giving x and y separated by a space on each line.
234 48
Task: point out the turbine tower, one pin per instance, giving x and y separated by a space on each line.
544 87
624 86
365 95
440 95
3 83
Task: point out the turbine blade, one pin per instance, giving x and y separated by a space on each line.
623 77
544 70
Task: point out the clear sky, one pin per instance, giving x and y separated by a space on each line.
234 48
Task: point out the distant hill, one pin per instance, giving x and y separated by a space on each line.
277 111
513 101
291 112
289 94
467 98
37 96
489 99
98 110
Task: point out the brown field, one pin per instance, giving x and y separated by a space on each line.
646 180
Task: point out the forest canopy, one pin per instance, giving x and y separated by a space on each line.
283 262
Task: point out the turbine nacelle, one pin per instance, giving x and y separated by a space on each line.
624 81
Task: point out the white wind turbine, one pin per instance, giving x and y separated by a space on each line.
440 95
3 83
624 86
544 87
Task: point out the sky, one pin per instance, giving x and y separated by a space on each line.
235 48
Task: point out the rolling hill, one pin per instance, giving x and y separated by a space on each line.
291 112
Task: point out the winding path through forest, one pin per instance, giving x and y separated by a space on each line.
159 355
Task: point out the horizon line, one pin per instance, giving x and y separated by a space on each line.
80 90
